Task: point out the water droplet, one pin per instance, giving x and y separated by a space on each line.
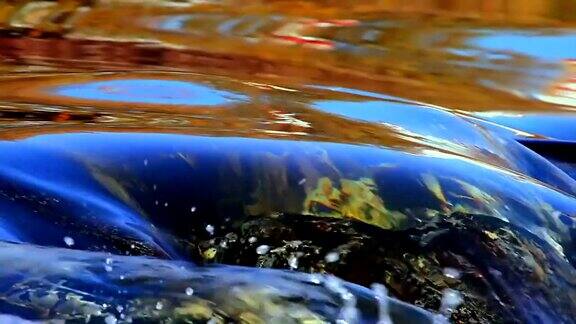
189 291
210 229
302 181
68 240
262 249
332 257
108 264
159 305
348 311
381 294
145 162
122 277
193 209
166 204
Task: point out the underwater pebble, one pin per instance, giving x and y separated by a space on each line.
231 237
209 254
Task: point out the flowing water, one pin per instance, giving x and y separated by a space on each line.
157 156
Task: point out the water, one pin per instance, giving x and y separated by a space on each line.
417 147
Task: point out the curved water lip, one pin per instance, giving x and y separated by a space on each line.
102 285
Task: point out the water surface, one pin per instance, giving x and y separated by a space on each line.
156 156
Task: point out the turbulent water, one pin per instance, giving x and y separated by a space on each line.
392 162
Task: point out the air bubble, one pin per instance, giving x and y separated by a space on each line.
110 319
451 299
68 240
332 257
262 249
293 262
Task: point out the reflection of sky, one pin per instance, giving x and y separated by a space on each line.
174 23
558 126
361 93
371 111
546 47
148 91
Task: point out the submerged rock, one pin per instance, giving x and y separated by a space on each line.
505 274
